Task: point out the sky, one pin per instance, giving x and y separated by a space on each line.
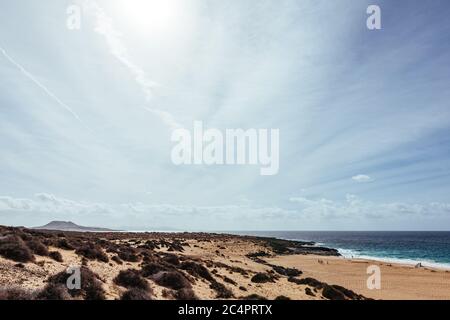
87 114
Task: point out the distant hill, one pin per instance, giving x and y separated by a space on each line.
70 226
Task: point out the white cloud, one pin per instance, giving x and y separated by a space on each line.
44 207
50 204
362 178
355 207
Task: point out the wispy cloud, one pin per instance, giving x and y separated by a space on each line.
104 26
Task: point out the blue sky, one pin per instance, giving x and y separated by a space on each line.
87 115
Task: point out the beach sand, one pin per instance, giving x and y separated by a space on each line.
398 281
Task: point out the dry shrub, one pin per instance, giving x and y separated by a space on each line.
54 291
91 287
309 292
254 297
151 269
55 255
289 272
262 278
332 293
171 259
13 247
136 294
117 260
128 254
175 246
197 270
282 298
185 294
230 281
221 290
15 294
24 236
307 281
92 252
64 244
173 280
131 279
348 293
37 247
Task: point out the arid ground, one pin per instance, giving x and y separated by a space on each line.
185 266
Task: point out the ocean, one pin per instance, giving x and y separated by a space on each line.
432 249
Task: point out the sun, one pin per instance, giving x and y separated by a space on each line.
150 15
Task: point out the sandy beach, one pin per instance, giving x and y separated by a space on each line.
398 281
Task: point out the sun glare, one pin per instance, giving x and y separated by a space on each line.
150 15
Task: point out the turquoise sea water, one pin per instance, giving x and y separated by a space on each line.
429 248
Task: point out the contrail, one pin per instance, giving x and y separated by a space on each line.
43 87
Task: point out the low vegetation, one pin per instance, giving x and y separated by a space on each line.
56 255
131 279
91 285
172 280
92 251
16 294
14 248
136 294
131 265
